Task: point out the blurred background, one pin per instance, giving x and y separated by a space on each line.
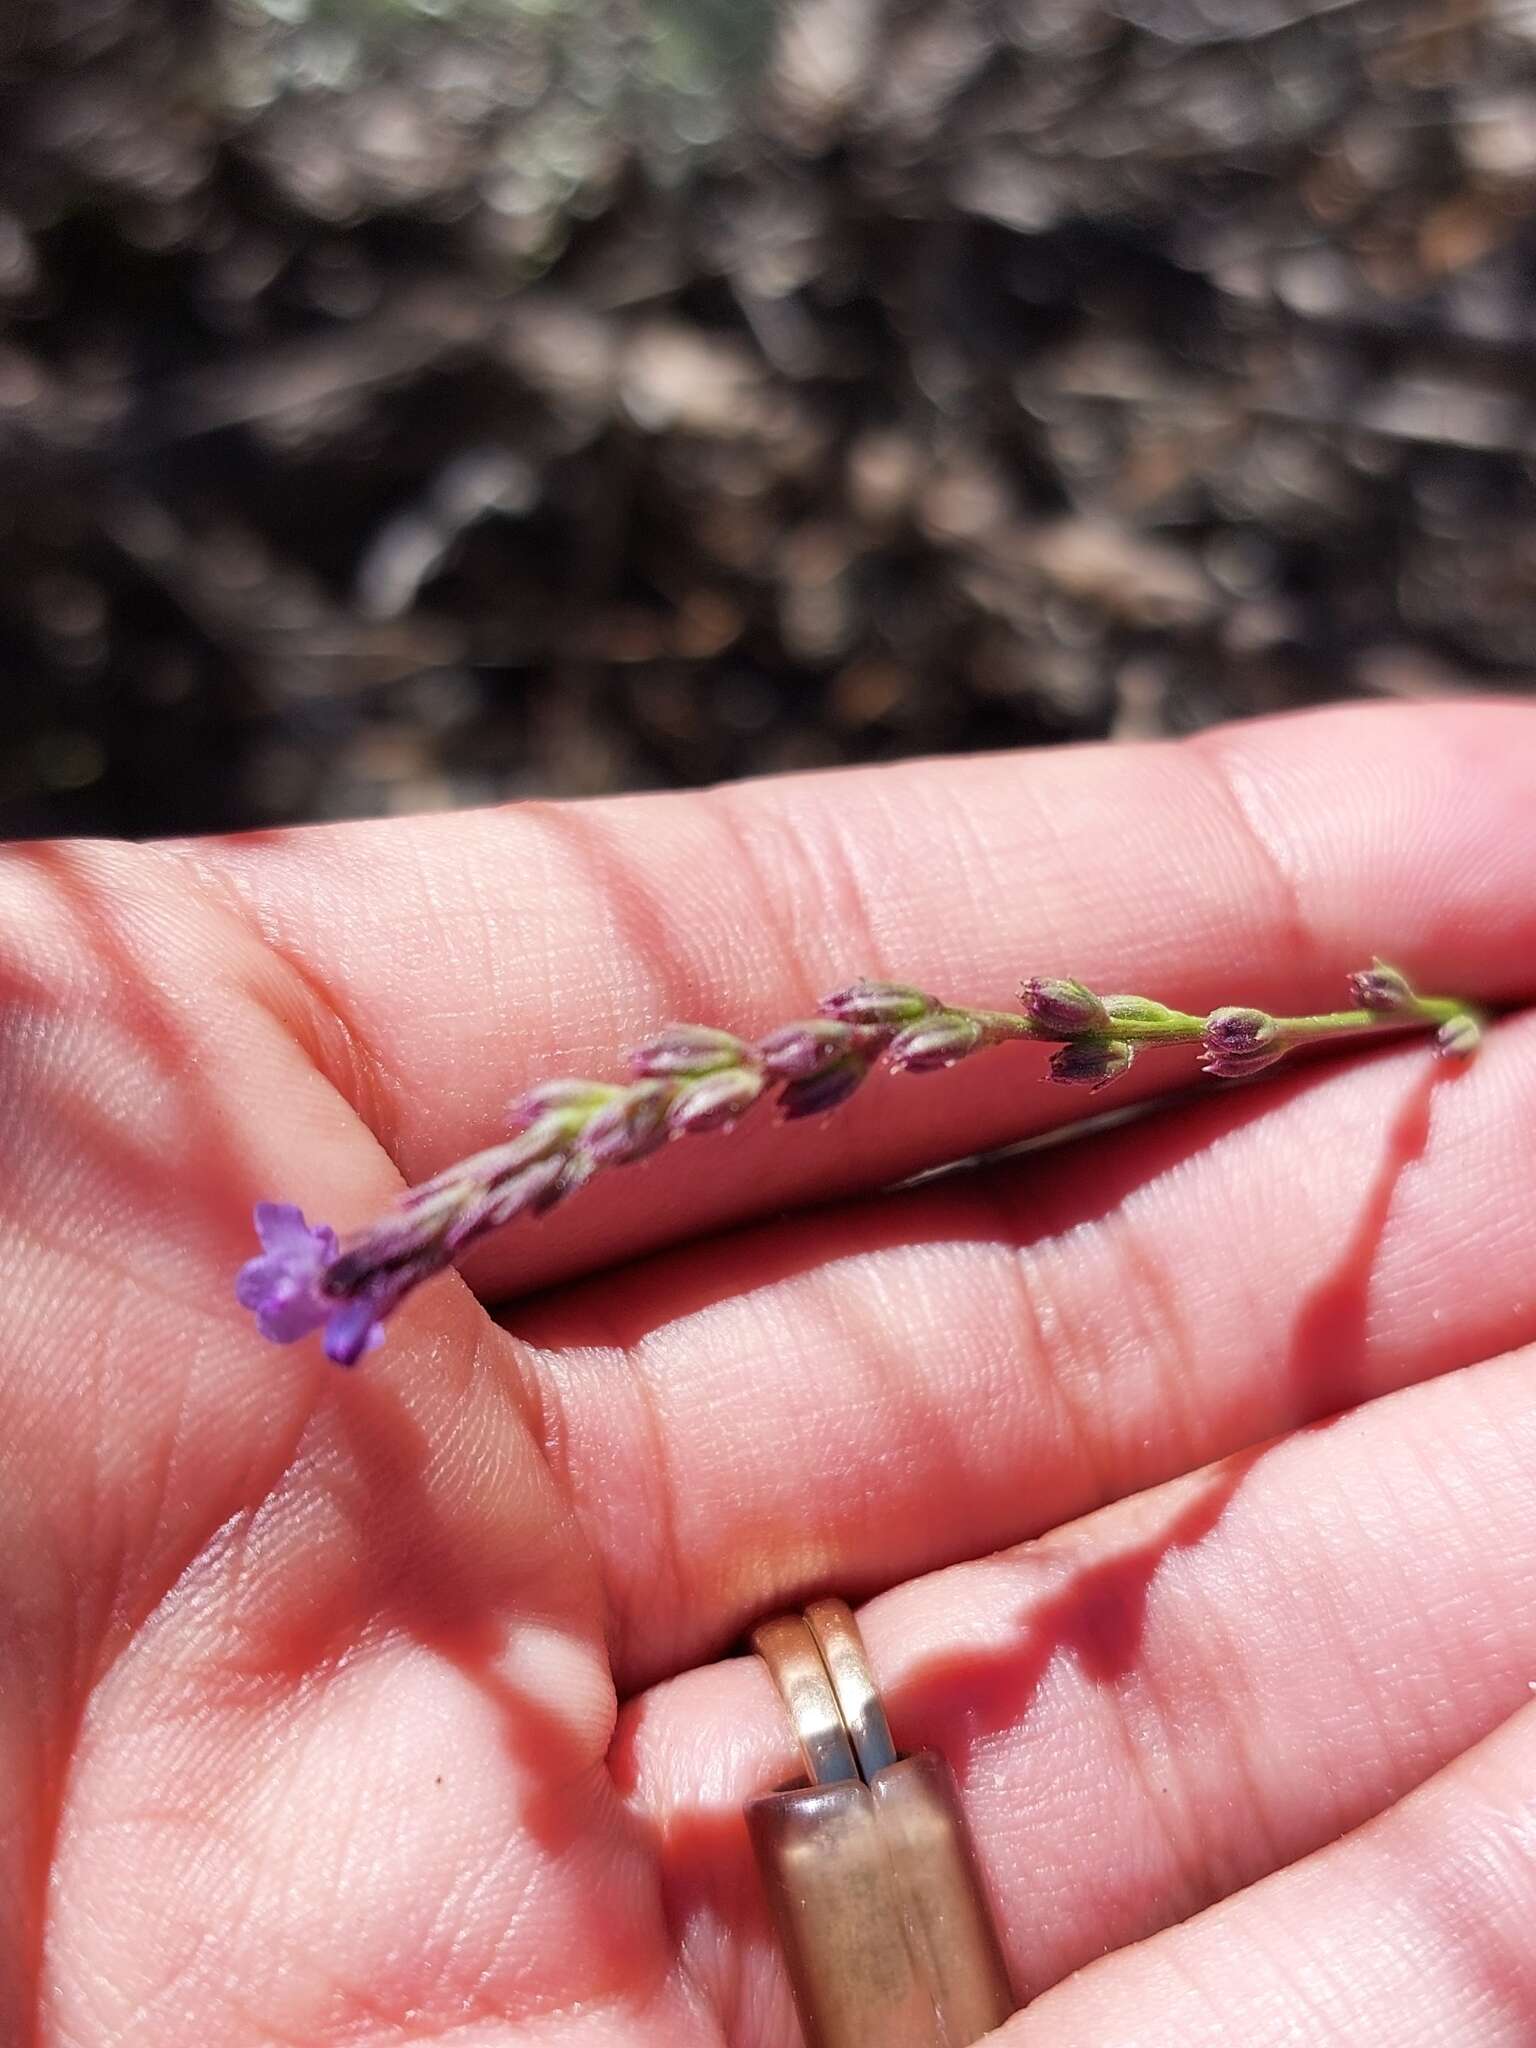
413 403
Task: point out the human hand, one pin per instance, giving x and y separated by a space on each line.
387 1707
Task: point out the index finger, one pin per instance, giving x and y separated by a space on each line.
469 955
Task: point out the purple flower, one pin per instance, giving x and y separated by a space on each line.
1091 1062
285 1285
796 1051
357 1325
935 1042
1064 1009
877 1002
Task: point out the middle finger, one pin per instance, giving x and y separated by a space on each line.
843 1399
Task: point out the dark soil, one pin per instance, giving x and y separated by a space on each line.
405 409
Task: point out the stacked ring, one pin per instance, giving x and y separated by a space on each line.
868 1867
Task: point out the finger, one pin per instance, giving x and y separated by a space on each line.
1420 1930
148 1040
469 955
843 1399
1157 1706
155 1079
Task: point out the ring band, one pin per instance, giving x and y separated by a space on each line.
869 1868
837 1636
789 1649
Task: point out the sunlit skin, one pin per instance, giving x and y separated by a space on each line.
399 1705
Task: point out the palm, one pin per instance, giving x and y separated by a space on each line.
310 1731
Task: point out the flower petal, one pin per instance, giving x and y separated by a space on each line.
283 1232
353 1329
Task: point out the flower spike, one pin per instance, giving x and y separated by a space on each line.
690 1079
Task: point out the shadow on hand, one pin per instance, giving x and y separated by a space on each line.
1096 1612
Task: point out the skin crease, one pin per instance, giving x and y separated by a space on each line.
399 1706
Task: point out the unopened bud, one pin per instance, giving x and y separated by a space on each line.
815 1094
1459 1037
1380 987
553 1098
686 1050
577 1170
630 1126
796 1051
466 1179
1064 1009
1238 1066
715 1101
877 1002
1091 1062
936 1041
1138 1010
526 1192
1236 1033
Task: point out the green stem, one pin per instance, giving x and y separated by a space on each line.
1179 1027
1425 1010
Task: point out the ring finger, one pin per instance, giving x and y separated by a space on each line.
1157 1706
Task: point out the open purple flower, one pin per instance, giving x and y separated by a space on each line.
285 1287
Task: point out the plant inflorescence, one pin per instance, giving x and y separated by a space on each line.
690 1079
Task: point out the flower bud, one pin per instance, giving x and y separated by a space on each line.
877 1002
715 1101
552 1098
936 1041
685 1051
1380 987
630 1126
574 1173
1236 1033
1459 1037
524 1192
1091 1062
1238 1066
1064 1009
796 1051
467 1179
814 1094
1138 1010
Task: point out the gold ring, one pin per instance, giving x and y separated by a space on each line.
789 1649
869 1868
837 1636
